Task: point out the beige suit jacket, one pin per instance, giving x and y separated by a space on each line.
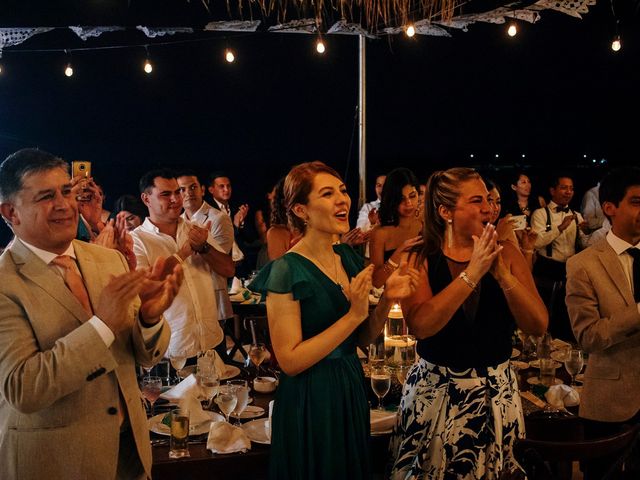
606 323
59 383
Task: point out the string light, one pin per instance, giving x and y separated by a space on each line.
1 69
148 67
229 56
68 71
616 45
512 31
410 31
320 48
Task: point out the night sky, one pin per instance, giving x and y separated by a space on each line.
555 92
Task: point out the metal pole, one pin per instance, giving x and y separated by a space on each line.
362 111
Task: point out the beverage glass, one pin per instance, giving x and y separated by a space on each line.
257 354
380 383
242 394
178 360
573 363
227 399
376 353
208 384
151 389
547 371
179 440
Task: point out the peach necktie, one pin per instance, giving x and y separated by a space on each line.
73 280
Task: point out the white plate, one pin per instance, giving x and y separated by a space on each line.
256 430
536 364
536 381
515 353
156 425
519 365
251 411
558 355
384 422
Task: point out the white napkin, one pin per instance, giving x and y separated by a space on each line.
240 295
219 365
225 438
561 396
177 392
268 424
382 421
236 286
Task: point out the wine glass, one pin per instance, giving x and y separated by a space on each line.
380 383
257 354
227 399
242 394
151 388
178 360
208 383
573 363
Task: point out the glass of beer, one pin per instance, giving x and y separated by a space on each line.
179 440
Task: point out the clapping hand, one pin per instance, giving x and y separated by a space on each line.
198 236
158 290
355 237
374 219
485 251
359 293
402 282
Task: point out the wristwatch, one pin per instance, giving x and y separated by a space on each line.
204 249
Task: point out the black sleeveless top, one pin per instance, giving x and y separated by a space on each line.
478 340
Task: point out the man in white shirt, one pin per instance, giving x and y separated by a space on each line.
200 212
193 316
603 300
591 209
561 233
73 324
368 214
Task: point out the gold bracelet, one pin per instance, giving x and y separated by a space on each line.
177 257
508 289
392 263
526 251
472 285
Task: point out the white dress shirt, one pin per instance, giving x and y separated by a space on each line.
591 208
222 231
193 315
363 216
563 243
621 246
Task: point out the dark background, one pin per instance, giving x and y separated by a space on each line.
556 93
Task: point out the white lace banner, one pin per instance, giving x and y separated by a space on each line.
575 8
153 32
422 27
233 26
15 36
87 32
305 25
344 28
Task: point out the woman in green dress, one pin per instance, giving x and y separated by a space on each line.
318 310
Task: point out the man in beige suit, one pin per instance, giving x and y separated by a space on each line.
71 333
603 300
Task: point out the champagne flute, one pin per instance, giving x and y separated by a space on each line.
380 383
178 360
573 363
242 394
227 399
151 388
257 354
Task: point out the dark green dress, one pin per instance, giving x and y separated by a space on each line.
321 416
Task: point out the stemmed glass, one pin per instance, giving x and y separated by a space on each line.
151 388
242 394
380 383
227 399
573 363
178 360
257 354
208 383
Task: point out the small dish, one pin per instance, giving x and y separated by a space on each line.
264 384
536 381
536 364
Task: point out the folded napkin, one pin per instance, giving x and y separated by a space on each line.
176 393
219 365
561 396
268 424
236 286
240 295
382 421
225 438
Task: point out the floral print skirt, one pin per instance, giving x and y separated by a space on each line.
457 424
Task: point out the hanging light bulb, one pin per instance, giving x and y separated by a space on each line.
320 48
229 56
68 71
616 45
512 30
1 69
148 67
410 31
